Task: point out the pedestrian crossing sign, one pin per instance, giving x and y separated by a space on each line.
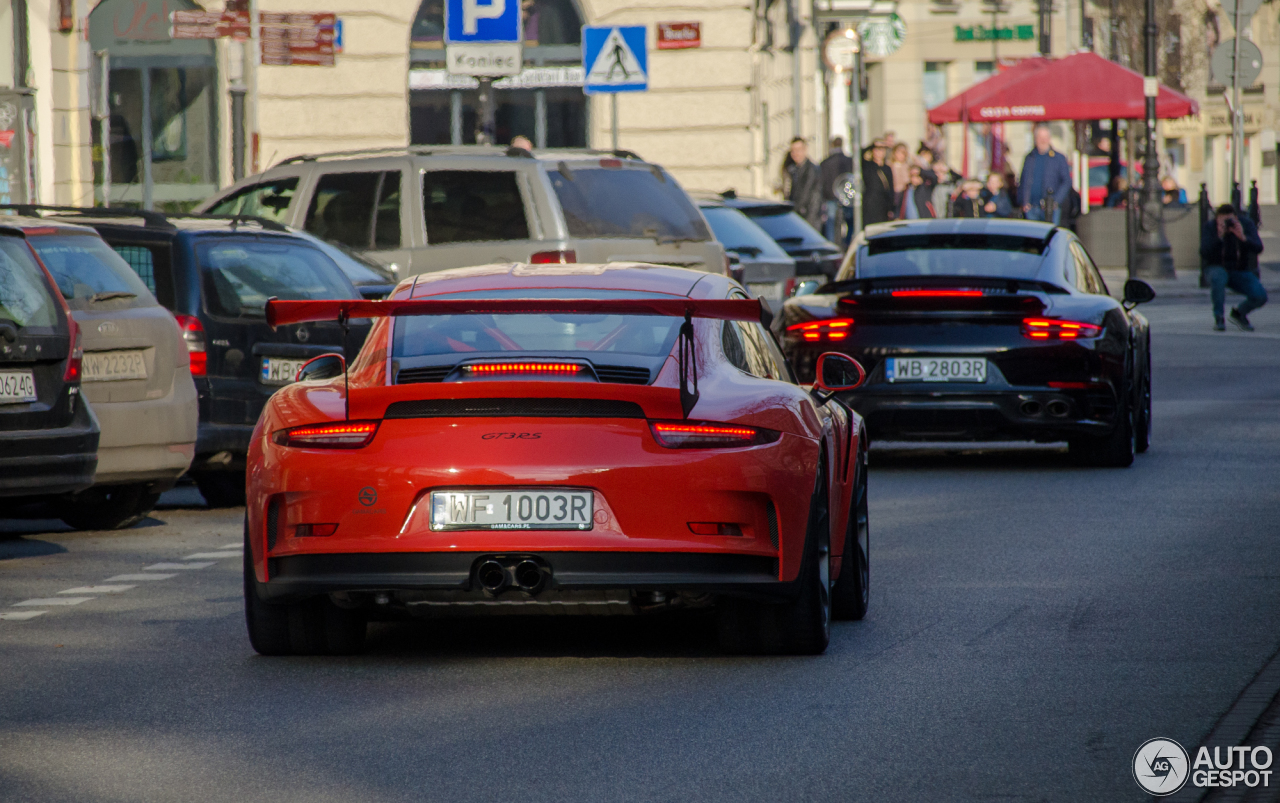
615 59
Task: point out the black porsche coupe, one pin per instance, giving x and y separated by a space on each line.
982 330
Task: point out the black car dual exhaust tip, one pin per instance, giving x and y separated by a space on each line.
494 577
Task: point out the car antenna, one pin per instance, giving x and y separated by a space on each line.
346 386
688 363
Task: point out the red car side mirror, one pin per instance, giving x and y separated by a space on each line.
836 372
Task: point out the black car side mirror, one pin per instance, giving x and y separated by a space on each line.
836 372
1137 291
326 366
806 288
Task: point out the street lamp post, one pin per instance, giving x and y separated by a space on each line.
1153 258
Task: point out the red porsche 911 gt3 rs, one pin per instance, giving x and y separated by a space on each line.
614 438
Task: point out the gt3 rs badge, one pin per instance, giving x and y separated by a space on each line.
511 436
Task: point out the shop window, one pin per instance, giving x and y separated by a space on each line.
935 83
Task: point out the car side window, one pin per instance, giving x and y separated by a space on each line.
760 359
358 210
270 200
1087 262
152 264
1086 275
461 206
733 349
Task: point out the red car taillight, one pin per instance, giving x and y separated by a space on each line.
1053 329
343 435
193 337
680 435
75 356
555 368
553 258
835 330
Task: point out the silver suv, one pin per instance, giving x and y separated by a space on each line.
430 208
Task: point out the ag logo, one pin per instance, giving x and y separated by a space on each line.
302 334
1160 766
368 496
108 328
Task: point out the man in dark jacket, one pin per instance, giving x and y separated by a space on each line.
832 168
877 187
1046 180
1227 243
804 183
917 201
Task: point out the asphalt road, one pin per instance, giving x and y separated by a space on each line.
1031 624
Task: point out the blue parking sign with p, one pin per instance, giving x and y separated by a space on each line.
482 21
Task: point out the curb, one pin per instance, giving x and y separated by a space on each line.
1234 726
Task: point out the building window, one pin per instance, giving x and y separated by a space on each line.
935 83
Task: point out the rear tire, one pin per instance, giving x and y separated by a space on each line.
221 488
1114 450
798 626
850 596
109 507
1142 419
311 627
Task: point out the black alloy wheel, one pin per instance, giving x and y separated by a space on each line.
850 596
110 507
800 625
310 627
1113 450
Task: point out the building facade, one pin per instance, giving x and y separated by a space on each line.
719 115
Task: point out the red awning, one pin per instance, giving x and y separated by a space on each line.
1083 86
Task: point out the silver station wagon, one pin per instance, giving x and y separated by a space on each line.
430 208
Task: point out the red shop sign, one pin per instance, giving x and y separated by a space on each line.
679 35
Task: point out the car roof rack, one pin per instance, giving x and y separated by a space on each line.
427 150
152 218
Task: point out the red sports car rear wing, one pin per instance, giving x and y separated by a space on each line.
286 312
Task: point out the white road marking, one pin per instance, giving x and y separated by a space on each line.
237 545
215 555
20 616
96 589
53 601
126 578
166 567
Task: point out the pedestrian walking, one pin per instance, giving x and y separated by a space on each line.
1045 184
877 187
1117 193
969 203
995 201
944 191
1227 243
803 183
837 164
900 166
917 199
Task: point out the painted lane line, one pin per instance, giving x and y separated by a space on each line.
97 590
126 578
165 567
237 545
53 601
214 555
20 616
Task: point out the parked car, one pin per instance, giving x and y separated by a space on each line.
1100 177
755 260
215 275
814 254
135 374
48 435
426 209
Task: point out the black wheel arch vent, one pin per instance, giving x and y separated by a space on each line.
514 408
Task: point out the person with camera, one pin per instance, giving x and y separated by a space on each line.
1227 243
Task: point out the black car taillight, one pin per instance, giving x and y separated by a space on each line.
193 337
1054 329
833 330
701 435
338 435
